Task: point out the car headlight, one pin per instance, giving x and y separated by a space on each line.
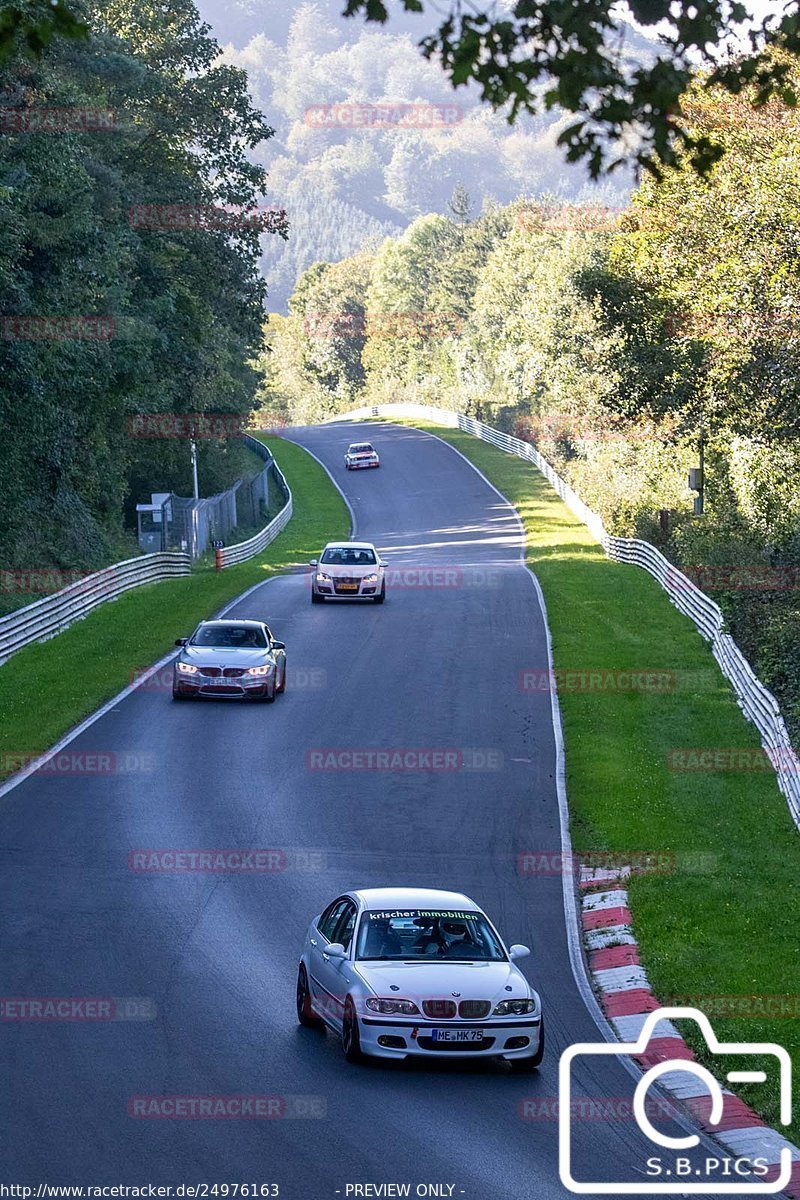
322 577
370 579
516 1007
408 1007
265 670
186 668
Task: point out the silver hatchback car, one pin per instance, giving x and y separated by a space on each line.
233 659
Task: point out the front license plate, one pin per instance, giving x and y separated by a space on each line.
347 587
457 1035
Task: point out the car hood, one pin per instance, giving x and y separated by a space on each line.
474 981
210 656
354 571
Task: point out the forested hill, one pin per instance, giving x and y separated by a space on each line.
347 187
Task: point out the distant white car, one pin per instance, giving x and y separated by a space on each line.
414 971
361 454
348 571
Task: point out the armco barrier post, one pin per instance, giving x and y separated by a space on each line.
218 563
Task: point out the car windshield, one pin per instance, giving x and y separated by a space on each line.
362 448
237 637
349 556
439 936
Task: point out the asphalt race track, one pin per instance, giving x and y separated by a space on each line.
211 958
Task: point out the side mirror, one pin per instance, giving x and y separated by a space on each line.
313 562
279 645
335 950
382 562
181 641
518 951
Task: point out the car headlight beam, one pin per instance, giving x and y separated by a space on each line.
186 668
370 579
267 669
322 577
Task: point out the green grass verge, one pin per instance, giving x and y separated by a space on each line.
724 922
48 688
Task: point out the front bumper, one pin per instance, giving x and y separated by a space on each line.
501 1038
362 465
332 593
236 689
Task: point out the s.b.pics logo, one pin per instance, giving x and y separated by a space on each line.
667 1168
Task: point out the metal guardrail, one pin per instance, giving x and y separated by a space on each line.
46 617
757 703
228 556
43 619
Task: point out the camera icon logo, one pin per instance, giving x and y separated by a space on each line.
688 1183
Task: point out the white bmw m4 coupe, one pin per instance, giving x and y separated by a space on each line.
414 971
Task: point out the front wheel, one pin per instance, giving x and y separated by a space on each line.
280 690
379 599
351 1042
316 598
305 1013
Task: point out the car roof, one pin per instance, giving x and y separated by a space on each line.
350 545
400 898
234 621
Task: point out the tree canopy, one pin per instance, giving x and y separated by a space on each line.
546 53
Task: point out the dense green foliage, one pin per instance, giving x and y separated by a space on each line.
614 341
182 306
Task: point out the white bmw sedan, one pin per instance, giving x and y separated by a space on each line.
360 455
414 971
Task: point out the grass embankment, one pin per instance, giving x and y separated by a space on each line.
48 688
724 922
